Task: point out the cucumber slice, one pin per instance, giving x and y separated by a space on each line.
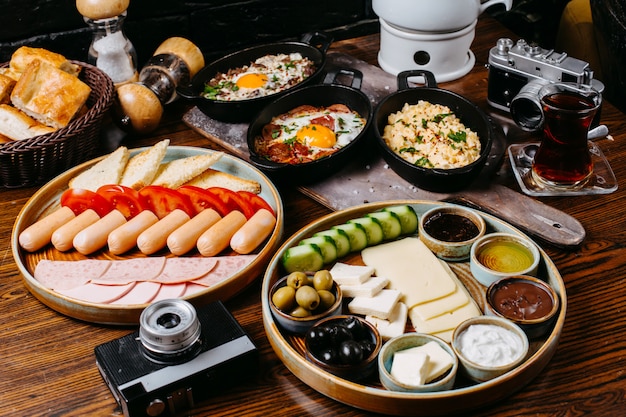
408 217
373 229
390 222
356 235
326 245
340 238
305 258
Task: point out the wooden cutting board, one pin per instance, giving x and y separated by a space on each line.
369 178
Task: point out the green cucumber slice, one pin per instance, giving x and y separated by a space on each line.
326 245
340 238
356 235
390 222
305 258
373 229
407 216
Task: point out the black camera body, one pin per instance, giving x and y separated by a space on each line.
517 71
176 359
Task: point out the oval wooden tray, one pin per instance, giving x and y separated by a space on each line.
46 200
371 395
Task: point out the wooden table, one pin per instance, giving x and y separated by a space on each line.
47 363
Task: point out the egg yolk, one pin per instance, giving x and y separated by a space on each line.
317 135
251 81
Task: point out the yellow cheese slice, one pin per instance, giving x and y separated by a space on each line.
447 321
411 268
442 305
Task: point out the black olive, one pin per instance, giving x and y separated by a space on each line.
318 337
328 356
356 327
341 334
367 347
350 352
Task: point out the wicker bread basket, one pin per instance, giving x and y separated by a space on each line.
34 161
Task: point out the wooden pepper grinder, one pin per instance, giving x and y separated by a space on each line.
139 105
110 49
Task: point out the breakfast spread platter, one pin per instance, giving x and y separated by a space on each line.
370 394
239 272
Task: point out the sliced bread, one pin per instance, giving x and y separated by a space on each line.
215 178
142 168
107 171
177 172
17 125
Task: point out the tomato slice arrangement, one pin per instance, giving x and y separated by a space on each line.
125 199
232 200
163 200
255 201
202 199
79 200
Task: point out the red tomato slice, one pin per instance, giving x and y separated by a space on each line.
79 200
124 199
256 201
162 200
233 200
202 199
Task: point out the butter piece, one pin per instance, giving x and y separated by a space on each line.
447 321
381 305
411 268
410 368
346 274
394 325
369 288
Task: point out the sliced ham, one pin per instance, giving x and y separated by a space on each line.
226 267
170 291
96 293
142 293
65 275
178 270
131 270
191 289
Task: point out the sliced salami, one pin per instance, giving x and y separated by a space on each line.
226 267
96 293
142 293
178 270
168 291
131 270
65 275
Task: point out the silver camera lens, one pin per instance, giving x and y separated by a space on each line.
169 328
525 107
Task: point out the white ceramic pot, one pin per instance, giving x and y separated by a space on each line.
433 15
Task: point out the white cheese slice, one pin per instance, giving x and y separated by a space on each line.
394 325
442 305
411 268
439 361
369 288
446 335
381 305
410 368
447 321
346 274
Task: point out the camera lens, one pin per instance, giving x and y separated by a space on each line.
525 107
169 329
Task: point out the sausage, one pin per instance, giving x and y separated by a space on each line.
253 232
154 238
95 236
183 239
38 234
124 238
217 237
63 237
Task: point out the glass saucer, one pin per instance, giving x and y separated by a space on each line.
601 181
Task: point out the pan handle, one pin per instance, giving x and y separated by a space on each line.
403 78
319 40
186 91
357 77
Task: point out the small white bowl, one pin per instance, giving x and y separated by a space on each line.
500 255
407 341
501 337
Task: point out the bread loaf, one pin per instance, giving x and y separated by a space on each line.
18 126
142 168
23 56
49 95
107 171
177 172
214 178
6 87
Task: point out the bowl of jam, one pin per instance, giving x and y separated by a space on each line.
449 231
527 301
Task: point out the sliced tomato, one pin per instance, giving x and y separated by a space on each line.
232 200
162 200
79 200
202 199
125 199
256 201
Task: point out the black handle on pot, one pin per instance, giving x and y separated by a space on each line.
403 78
319 40
357 77
186 91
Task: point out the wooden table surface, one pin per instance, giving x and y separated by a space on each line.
47 364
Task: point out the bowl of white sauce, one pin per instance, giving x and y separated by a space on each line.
489 346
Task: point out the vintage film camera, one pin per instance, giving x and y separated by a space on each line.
177 358
517 71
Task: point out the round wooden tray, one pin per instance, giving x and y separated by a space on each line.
371 395
46 200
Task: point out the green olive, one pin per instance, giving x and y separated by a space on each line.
300 312
322 280
284 298
297 279
307 297
327 299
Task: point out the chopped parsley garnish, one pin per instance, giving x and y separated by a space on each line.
457 137
424 162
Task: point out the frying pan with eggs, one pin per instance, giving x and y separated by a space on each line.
312 46
331 92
